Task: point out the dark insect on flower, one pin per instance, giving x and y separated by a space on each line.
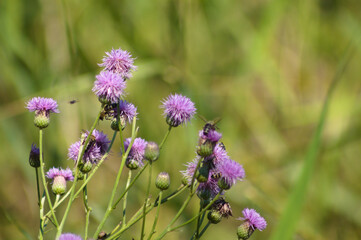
221 144
73 101
108 111
210 125
92 141
216 175
223 207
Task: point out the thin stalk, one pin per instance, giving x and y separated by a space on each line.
124 158
124 221
165 137
204 229
146 200
37 185
87 209
156 217
41 210
193 218
172 195
198 221
166 230
195 172
42 165
130 185
80 157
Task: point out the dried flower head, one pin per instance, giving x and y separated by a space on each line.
109 87
34 156
178 109
137 151
120 62
95 149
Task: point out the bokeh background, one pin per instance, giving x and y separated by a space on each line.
263 66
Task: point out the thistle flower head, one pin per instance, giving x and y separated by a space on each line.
191 168
212 135
65 173
69 236
109 87
178 109
60 177
219 154
42 108
209 189
95 149
120 62
126 110
254 219
230 171
137 151
42 105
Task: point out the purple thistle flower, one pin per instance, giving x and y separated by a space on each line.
212 135
42 105
127 110
137 151
178 109
254 219
69 236
210 187
65 173
109 86
219 154
191 168
95 150
119 61
230 171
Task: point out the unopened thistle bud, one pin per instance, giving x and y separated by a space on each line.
34 156
80 174
223 184
85 167
132 164
202 174
151 151
214 216
115 123
162 182
205 149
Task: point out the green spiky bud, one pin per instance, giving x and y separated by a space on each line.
205 149
103 100
59 185
202 174
214 216
244 231
115 123
132 164
151 152
41 121
222 183
163 181
80 174
185 181
86 167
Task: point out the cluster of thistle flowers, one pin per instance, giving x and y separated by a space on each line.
211 173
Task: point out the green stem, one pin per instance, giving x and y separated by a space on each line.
41 210
201 212
146 200
42 165
156 217
195 172
37 185
80 157
172 195
87 209
165 138
166 230
198 221
130 185
124 158
125 198
204 229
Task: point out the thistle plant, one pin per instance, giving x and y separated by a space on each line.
207 178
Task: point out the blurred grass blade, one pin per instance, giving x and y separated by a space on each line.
288 220
17 225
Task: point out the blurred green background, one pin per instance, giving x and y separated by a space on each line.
264 67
